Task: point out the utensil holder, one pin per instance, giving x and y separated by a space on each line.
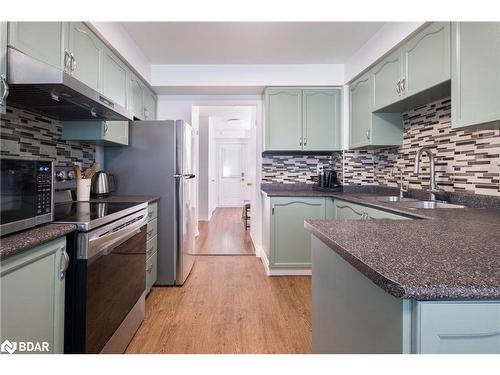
83 189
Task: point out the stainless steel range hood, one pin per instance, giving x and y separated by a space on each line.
42 88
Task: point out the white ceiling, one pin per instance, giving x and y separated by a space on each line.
250 42
229 117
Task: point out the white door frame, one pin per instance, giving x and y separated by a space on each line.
257 140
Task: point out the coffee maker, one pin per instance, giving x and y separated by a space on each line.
327 180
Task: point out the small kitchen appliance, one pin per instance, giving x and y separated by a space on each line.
103 184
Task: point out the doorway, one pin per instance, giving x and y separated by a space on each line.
227 173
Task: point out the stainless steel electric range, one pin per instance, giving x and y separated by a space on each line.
105 287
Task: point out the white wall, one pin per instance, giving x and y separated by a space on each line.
239 75
391 34
203 168
122 42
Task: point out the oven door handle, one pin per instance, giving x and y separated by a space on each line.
104 245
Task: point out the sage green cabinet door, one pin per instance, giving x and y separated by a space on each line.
458 327
44 41
151 271
32 296
348 211
386 76
283 119
475 83
3 66
427 58
114 78
321 119
135 96
87 51
360 109
116 132
149 104
290 242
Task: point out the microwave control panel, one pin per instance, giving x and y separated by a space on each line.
43 188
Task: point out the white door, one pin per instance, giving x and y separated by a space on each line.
231 173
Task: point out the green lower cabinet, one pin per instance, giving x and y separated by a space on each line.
105 133
344 210
457 327
152 247
3 67
290 242
151 271
32 296
371 321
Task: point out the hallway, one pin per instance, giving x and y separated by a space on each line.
224 234
228 304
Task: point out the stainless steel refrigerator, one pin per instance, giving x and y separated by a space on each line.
158 161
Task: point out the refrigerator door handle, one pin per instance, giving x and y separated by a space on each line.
187 176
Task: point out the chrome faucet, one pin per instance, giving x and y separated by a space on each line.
402 188
432 188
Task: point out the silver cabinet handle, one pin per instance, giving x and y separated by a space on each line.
272 209
403 84
146 113
106 127
64 267
149 251
305 141
300 141
398 87
368 134
72 62
149 269
150 214
5 85
66 60
149 232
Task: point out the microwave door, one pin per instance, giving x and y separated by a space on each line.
18 186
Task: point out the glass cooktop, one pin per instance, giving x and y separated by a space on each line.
88 215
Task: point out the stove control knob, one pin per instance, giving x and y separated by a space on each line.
70 175
61 175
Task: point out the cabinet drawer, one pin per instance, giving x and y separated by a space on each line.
152 211
152 229
151 272
151 246
457 328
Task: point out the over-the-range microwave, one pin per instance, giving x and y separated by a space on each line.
27 196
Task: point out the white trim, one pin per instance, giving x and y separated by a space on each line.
283 271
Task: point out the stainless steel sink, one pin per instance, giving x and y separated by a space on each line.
395 199
430 204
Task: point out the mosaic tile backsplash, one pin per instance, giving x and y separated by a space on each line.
466 160
291 169
30 135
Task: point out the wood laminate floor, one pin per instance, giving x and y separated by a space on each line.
224 234
228 305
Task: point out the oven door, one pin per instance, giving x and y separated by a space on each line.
116 279
18 186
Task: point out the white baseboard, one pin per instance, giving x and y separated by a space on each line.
284 271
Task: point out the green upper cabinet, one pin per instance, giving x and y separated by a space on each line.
426 59
44 41
32 295
386 76
106 133
321 119
3 66
302 119
114 77
475 81
86 50
360 111
149 99
290 242
283 119
135 96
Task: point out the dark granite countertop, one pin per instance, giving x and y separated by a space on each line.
128 198
18 242
444 254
